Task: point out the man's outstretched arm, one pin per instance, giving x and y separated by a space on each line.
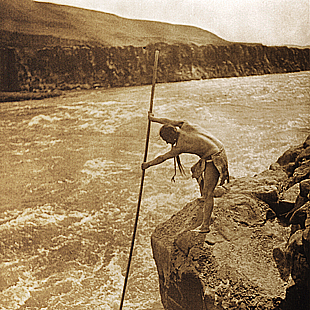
165 121
160 159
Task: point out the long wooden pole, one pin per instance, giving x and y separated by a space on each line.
142 179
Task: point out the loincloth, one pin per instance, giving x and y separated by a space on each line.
219 160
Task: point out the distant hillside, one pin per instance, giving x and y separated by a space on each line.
24 22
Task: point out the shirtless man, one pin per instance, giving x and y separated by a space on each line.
189 138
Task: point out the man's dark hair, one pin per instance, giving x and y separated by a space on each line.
169 134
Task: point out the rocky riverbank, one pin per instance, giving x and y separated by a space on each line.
20 96
257 253
80 67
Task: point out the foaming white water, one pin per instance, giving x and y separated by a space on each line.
101 168
15 296
302 122
41 118
104 117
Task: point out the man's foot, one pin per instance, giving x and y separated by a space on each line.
214 237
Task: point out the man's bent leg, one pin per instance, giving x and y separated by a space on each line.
211 177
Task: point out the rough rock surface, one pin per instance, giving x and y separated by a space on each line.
72 67
256 255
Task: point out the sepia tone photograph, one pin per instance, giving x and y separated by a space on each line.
154 155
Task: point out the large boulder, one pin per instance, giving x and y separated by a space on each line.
235 266
232 266
296 163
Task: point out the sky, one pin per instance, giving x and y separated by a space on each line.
270 22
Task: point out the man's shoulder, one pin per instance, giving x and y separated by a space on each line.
187 124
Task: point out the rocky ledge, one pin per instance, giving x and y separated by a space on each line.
257 253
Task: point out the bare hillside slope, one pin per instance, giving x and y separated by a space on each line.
45 19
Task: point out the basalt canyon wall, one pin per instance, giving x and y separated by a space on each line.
59 67
256 255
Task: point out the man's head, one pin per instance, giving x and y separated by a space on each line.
169 133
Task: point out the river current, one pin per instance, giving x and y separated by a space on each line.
70 176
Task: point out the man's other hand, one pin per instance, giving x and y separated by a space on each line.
144 166
151 116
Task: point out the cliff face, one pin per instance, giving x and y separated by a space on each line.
257 253
9 80
88 67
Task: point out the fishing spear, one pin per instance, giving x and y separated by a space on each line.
142 178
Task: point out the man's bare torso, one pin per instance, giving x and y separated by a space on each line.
195 140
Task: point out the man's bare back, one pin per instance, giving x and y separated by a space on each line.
195 140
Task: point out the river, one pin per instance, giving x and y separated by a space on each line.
70 178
